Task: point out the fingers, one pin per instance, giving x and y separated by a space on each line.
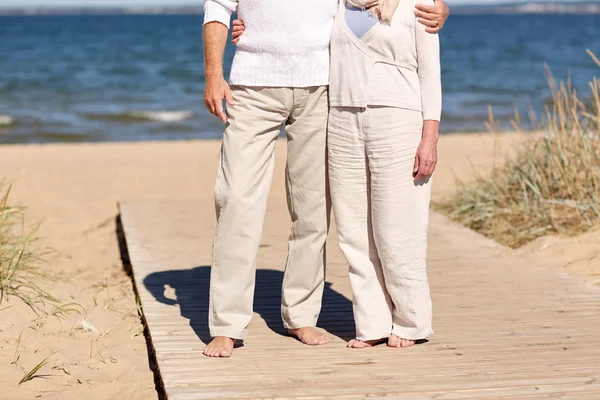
425 8
214 105
429 23
214 94
426 15
237 31
433 30
416 166
236 34
229 97
220 113
424 167
433 17
209 105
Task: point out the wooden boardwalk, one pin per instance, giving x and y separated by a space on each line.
504 330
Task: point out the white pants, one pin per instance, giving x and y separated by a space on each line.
243 182
381 216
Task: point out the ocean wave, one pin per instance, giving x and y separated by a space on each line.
6 120
143 115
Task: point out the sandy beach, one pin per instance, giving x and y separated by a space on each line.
73 190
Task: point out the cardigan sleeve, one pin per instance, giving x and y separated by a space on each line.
219 11
429 70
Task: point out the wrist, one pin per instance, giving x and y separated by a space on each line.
431 129
212 75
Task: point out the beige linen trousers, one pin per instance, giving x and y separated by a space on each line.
381 216
243 182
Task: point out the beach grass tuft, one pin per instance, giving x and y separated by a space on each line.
549 185
33 373
21 262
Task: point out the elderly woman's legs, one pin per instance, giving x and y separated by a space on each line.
400 215
381 217
349 183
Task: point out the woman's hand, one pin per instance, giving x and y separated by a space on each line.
237 30
433 17
426 157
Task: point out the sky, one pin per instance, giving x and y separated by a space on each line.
77 3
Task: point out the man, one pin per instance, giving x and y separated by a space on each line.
279 77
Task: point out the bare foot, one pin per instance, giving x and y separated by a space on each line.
220 347
361 344
395 341
310 336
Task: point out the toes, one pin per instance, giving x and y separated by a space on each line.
356 344
359 344
311 337
225 353
397 342
310 340
394 341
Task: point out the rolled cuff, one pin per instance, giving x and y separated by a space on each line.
216 12
432 115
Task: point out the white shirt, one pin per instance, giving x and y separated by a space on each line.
285 44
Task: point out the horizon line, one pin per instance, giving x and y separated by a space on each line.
167 5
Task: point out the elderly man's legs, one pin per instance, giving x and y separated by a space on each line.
308 203
243 182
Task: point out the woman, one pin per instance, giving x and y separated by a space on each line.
385 106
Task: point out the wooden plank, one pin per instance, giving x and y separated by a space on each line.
504 330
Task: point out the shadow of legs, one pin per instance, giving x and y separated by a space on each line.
191 287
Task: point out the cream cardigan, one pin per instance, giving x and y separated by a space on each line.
395 65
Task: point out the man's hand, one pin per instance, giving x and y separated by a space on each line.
215 91
237 30
433 17
215 38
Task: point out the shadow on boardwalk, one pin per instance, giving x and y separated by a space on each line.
336 314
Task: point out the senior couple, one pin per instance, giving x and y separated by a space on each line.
356 84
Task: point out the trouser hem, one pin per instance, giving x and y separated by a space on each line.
412 333
229 332
300 323
364 338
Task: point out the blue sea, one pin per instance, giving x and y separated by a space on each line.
122 78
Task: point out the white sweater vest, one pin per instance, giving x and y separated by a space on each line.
285 44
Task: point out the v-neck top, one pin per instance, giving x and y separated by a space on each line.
394 65
359 21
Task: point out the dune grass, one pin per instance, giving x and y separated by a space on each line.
33 372
21 260
549 185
